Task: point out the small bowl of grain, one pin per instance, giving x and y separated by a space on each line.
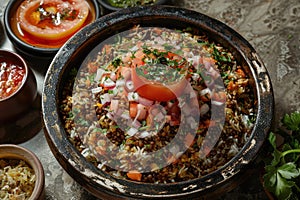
21 174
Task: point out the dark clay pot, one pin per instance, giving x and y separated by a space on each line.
105 186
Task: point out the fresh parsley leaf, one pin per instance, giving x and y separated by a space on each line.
289 170
270 177
272 140
292 122
276 157
283 187
282 172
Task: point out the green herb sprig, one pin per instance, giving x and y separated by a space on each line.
282 171
130 3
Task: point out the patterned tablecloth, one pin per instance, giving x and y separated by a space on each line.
271 26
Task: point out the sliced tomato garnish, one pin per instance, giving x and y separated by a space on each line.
157 91
52 19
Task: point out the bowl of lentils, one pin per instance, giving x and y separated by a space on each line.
157 102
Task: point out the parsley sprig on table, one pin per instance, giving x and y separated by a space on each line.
282 171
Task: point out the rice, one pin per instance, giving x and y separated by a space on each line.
118 143
17 179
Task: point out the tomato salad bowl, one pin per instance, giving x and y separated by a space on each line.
41 27
157 102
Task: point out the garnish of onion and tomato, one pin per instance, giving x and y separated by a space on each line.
158 75
52 19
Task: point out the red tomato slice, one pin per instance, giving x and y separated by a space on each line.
157 91
154 90
52 19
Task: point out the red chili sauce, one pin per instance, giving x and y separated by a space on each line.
11 77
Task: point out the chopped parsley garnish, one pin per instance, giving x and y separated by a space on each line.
160 66
116 62
220 56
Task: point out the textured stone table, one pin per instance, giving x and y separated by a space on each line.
271 26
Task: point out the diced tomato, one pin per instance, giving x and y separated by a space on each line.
241 73
134 175
231 86
142 111
133 109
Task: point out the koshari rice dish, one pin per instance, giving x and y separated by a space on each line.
157 105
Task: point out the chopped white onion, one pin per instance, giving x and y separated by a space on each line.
145 102
96 90
113 76
133 96
205 91
120 82
109 115
129 85
134 48
136 124
108 83
144 134
99 74
195 76
105 98
132 131
217 103
115 91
